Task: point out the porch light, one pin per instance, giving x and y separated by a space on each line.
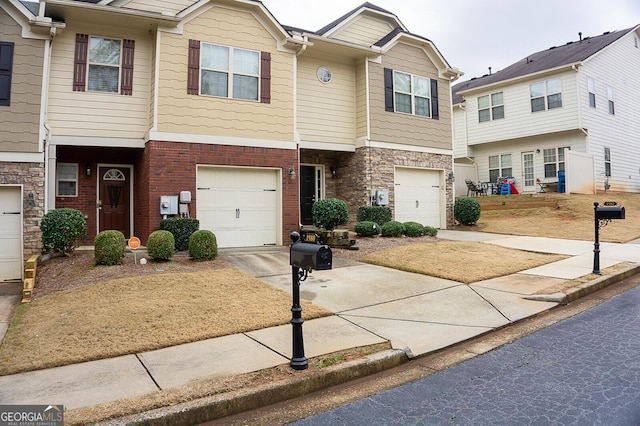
334 171
292 173
87 169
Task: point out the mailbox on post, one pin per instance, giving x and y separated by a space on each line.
602 216
310 256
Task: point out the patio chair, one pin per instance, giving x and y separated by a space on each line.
474 189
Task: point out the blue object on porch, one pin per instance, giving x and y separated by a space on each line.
561 182
505 189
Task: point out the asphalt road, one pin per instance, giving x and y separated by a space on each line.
584 370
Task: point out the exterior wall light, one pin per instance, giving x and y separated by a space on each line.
334 171
292 173
87 169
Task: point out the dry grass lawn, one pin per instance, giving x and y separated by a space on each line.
466 262
132 315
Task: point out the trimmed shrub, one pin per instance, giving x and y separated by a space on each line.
430 231
392 229
377 214
203 245
367 229
467 210
181 228
109 248
413 229
161 245
62 229
329 213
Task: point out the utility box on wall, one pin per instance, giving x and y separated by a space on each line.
168 205
382 197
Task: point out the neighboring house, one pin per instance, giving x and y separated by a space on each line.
24 53
242 123
570 108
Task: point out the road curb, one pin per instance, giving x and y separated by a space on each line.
219 406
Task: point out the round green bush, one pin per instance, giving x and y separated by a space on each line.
413 229
329 213
467 210
367 229
62 229
392 229
109 248
430 231
161 245
203 245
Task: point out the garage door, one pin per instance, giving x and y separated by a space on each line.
418 197
10 234
240 206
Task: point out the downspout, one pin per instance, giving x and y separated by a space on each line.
46 79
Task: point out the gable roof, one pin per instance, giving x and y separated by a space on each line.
347 15
571 53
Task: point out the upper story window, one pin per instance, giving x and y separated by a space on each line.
228 72
67 180
546 95
612 109
491 107
6 66
411 94
591 87
103 65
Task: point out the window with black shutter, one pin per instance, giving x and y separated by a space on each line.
6 65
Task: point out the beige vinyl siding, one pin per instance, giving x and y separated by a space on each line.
95 114
361 101
616 67
364 31
326 111
19 122
179 112
171 6
460 149
519 121
405 128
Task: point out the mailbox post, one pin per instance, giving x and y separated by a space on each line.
602 217
303 258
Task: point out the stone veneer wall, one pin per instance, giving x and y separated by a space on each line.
373 168
31 177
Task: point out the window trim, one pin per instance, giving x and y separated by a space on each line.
81 65
610 97
559 160
607 162
591 89
546 95
74 180
501 166
491 108
231 73
389 94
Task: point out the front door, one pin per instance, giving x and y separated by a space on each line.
528 172
113 199
308 191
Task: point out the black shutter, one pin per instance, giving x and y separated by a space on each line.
6 65
126 82
80 63
193 76
434 100
265 77
388 90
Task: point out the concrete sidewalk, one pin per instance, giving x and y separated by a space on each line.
417 314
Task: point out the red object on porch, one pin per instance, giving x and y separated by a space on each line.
513 189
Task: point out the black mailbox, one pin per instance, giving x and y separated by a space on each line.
613 212
310 256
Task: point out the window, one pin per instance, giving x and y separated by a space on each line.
591 87
67 180
411 94
553 161
612 109
500 166
490 107
228 72
546 95
103 65
607 162
6 65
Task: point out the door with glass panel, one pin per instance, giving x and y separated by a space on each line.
528 172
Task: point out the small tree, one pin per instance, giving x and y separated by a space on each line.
329 213
62 229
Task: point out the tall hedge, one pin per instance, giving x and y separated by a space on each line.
181 228
377 214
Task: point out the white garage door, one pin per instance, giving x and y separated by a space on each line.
10 234
239 205
418 197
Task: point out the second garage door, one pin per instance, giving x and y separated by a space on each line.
418 196
10 234
239 205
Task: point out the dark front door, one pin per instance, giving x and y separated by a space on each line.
307 193
113 199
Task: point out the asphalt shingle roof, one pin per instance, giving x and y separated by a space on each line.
554 57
